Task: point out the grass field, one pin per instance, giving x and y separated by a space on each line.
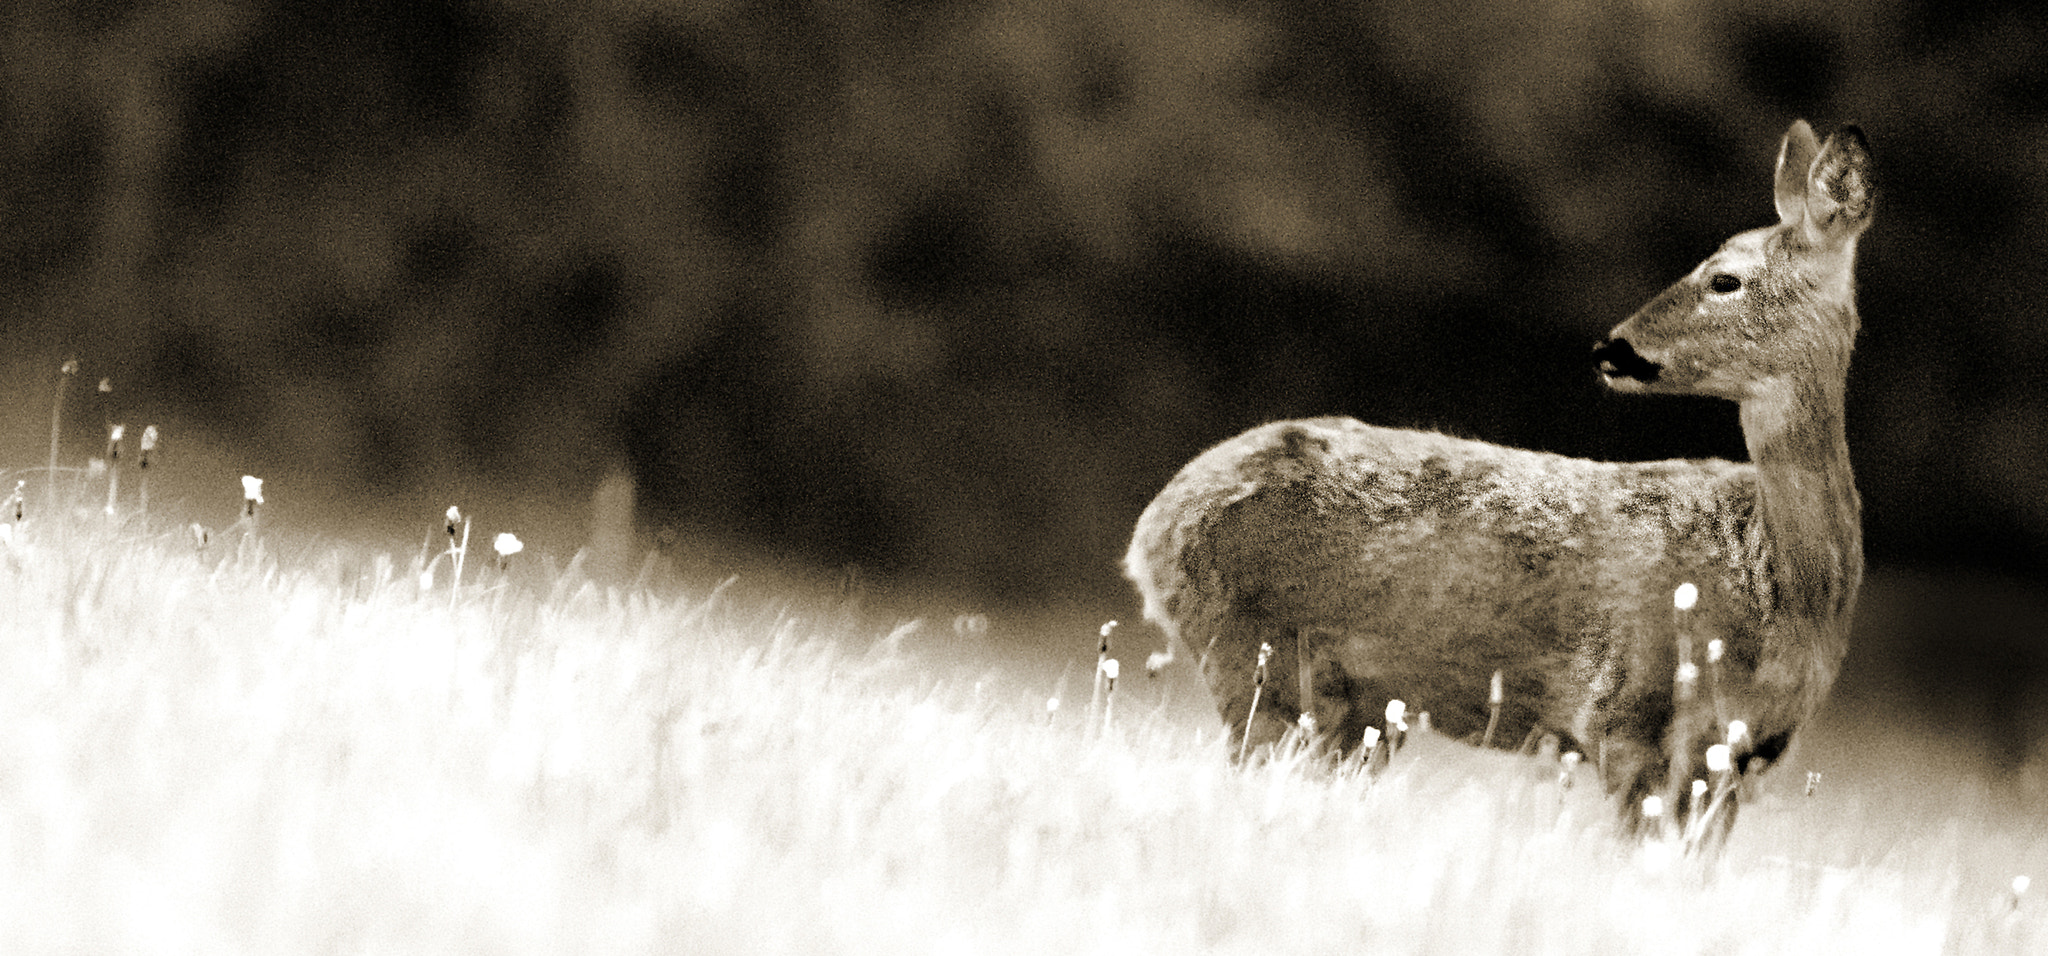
265 746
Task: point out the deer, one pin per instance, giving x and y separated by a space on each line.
1513 593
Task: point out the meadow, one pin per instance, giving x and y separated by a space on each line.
252 744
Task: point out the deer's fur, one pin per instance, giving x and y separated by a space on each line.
1385 563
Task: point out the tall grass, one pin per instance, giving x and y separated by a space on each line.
221 751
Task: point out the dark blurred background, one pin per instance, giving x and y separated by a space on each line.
946 291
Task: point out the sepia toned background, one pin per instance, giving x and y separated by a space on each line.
945 291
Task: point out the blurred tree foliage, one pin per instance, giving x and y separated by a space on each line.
950 289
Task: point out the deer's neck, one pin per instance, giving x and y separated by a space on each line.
1807 498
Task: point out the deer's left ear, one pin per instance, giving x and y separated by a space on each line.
1838 201
1795 162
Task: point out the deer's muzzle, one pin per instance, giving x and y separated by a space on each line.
1618 359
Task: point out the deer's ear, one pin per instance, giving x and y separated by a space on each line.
1838 202
1795 161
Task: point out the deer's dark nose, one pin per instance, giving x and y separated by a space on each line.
1618 359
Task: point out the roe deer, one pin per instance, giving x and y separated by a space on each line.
1386 563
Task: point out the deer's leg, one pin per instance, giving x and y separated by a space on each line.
1343 704
1229 647
1634 771
1300 677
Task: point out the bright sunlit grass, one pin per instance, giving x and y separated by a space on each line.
215 750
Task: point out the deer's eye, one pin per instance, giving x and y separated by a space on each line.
1724 283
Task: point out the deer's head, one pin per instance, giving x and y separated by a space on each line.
1772 306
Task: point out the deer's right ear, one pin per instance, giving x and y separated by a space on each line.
1795 160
